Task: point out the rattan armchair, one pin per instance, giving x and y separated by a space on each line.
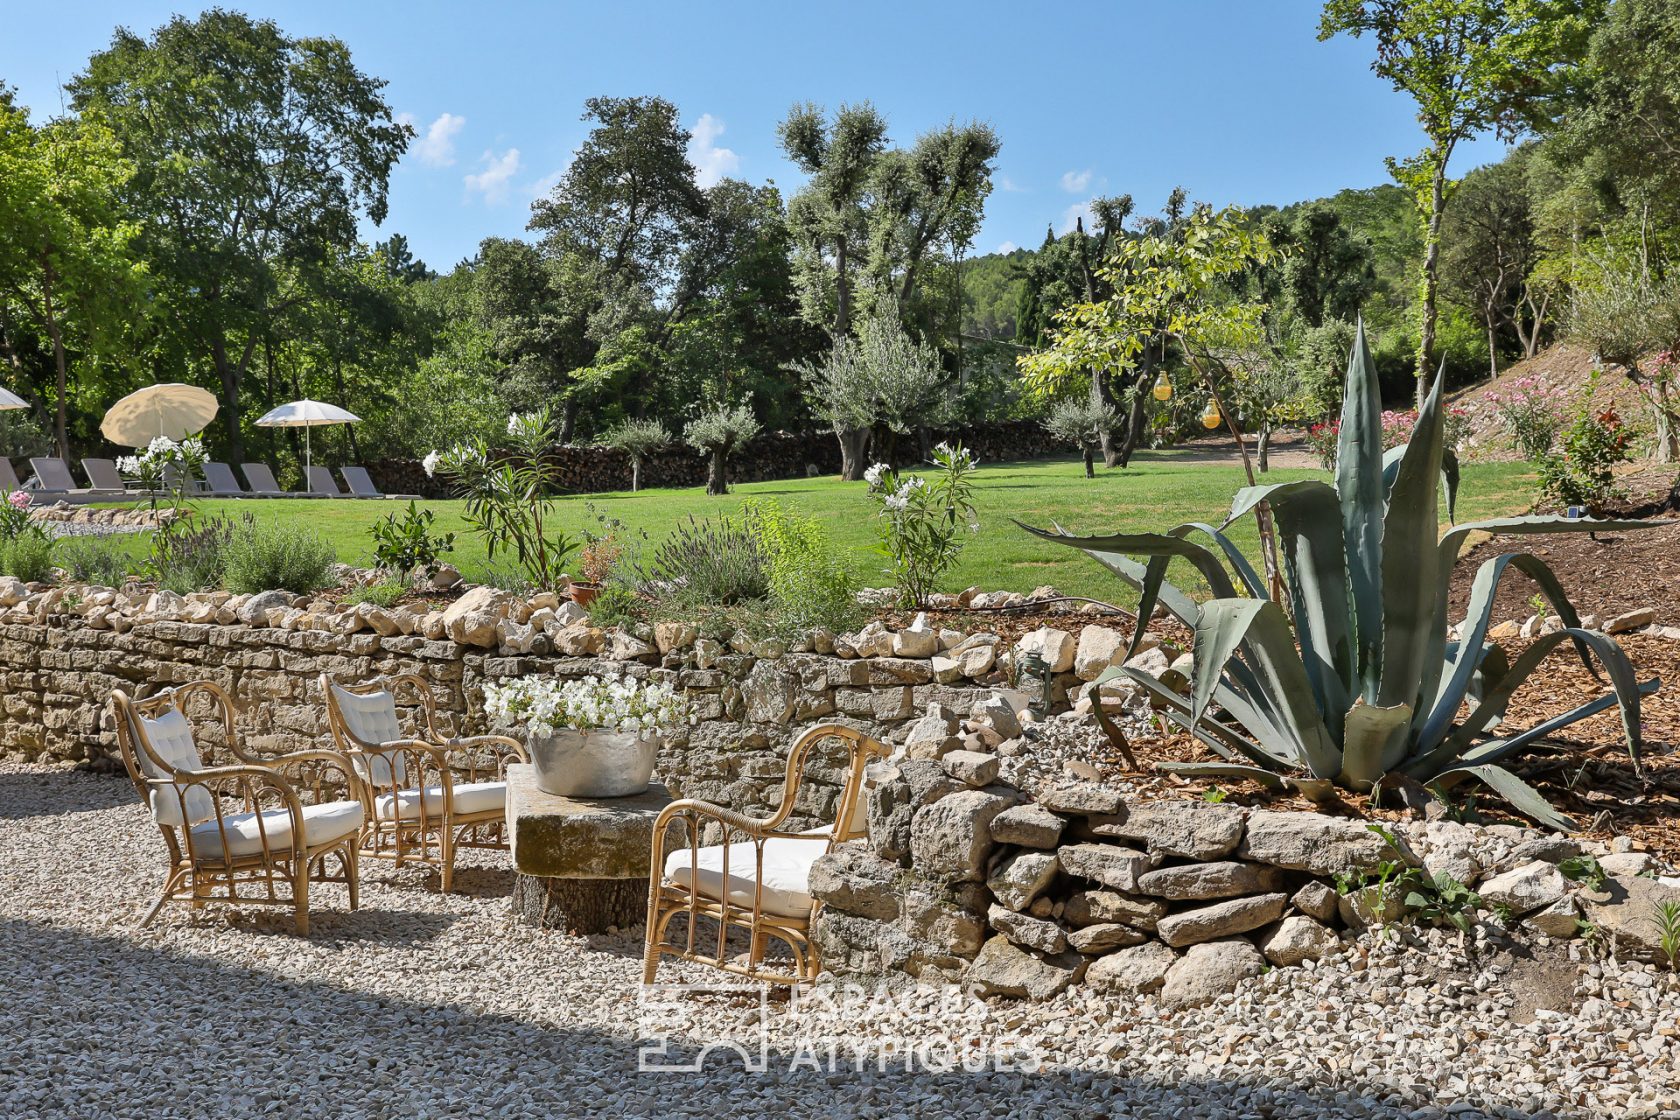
250 834
423 795
757 878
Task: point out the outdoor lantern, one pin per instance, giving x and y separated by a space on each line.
1210 415
1163 387
1034 664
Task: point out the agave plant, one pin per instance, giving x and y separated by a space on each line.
1368 687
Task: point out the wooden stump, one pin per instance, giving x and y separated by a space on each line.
580 905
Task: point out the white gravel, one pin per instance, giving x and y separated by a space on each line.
421 1005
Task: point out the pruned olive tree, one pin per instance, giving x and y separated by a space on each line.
637 439
717 432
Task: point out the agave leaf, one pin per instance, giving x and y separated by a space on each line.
1316 569
1257 626
1616 665
1449 475
1223 770
1522 796
1360 491
1151 544
1224 740
1409 593
1492 750
1477 620
1233 555
1453 539
1368 734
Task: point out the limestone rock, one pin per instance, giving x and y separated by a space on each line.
1631 620
1210 970
1316 900
1140 968
1196 881
1030 826
578 640
1562 919
1001 714
769 694
1081 797
1056 647
1192 829
1105 938
1027 932
1151 661
1221 919
1103 907
1021 878
976 661
1297 938
1108 864
951 838
669 636
855 880
1100 647
1004 969
257 606
971 767
1626 910
919 640
1312 843
484 606
1530 887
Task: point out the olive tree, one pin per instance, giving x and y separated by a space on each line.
638 439
717 432
1082 422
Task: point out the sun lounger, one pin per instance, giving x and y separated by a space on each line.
262 481
9 480
53 476
223 483
104 475
361 485
322 483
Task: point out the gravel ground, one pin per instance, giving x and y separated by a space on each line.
421 1005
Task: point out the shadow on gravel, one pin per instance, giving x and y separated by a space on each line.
96 1026
37 794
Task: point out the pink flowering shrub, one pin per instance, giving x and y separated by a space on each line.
1396 429
1532 412
14 515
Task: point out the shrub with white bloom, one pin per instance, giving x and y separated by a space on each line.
874 473
920 519
430 463
544 705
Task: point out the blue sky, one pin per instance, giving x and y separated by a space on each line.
1236 100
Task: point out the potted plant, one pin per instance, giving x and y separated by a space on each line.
595 564
588 737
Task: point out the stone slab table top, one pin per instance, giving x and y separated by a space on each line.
577 837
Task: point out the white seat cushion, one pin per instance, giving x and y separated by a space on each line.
787 873
372 718
470 798
322 824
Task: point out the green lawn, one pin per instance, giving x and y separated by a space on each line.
1153 494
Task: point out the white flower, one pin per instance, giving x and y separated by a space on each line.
514 421
128 464
896 502
162 445
874 473
430 462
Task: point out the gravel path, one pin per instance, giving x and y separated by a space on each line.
422 1005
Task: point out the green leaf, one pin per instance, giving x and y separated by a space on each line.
1493 750
1410 596
1360 491
1522 796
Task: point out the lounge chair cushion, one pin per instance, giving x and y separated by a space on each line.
322 824
221 479
372 718
170 735
787 873
319 480
470 798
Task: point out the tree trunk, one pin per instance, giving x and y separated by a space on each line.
1493 349
842 290
1102 393
343 397
1134 429
60 414
1431 277
854 449
1263 448
635 474
717 476
1668 429
1090 461
568 420
230 378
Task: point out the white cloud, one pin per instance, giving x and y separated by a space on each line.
1075 182
436 144
1010 186
493 181
711 162
1008 247
1073 213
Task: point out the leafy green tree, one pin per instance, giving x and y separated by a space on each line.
400 260
1326 271
716 433
1491 253
66 260
1083 423
826 216
1470 65
251 149
637 439
1627 308
537 312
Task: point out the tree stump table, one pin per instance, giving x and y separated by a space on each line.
580 863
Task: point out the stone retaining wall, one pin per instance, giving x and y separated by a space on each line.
965 879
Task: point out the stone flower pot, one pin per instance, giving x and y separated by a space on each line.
597 763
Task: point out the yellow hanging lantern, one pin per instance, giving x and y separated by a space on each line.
1210 415
1163 388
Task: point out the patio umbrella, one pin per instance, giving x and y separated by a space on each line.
306 414
170 409
9 399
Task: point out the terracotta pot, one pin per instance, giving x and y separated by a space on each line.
584 593
573 763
